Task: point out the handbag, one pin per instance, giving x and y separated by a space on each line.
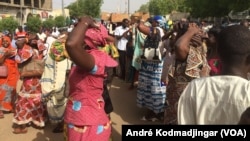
114 51
3 71
151 46
33 67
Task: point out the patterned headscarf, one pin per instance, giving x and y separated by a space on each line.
3 49
24 53
96 37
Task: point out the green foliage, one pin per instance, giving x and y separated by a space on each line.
34 24
85 7
144 8
60 21
92 8
163 7
218 8
9 24
49 23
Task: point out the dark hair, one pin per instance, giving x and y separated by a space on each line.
245 117
124 20
233 44
214 31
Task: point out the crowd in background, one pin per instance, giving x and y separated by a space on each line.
158 58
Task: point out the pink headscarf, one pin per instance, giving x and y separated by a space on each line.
96 37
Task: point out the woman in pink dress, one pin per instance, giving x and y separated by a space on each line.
85 117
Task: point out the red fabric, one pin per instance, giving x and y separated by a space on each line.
215 65
86 89
8 84
96 37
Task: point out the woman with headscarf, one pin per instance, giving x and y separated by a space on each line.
189 63
151 92
7 84
85 117
29 106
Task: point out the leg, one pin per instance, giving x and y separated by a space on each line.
1 114
59 127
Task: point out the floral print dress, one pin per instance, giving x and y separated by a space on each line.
29 106
8 84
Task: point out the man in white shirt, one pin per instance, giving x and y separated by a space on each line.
221 99
41 35
122 34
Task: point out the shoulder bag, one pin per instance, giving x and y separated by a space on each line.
34 67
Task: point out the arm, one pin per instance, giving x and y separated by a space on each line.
182 44
143 28
75 42
110 39
7 54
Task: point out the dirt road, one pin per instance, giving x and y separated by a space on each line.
125 112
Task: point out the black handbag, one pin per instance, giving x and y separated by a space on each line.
108 107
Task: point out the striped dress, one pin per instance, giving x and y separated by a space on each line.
151 92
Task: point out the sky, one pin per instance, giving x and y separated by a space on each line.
112 6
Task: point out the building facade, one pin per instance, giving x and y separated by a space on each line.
21 10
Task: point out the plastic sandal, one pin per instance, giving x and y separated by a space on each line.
20 131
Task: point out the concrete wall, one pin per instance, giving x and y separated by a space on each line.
44 10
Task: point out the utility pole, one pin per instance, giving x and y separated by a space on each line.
128 6
21 12
63 12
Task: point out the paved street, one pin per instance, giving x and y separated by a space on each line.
125 112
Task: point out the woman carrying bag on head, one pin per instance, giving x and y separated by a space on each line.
29 106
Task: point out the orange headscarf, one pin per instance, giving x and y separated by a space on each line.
6 38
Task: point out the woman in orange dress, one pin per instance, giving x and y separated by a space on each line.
7 84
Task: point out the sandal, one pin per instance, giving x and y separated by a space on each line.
1 114
20 130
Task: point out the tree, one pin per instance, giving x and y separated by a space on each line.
207 8
163 7
9 24
144 8
49 23
85 7
34 24
60 21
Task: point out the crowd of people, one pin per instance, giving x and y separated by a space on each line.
188 72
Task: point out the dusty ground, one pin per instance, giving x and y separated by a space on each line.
125 112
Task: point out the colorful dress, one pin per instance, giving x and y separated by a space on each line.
180 74
151 92
85 116
53 82
8 84
29 106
